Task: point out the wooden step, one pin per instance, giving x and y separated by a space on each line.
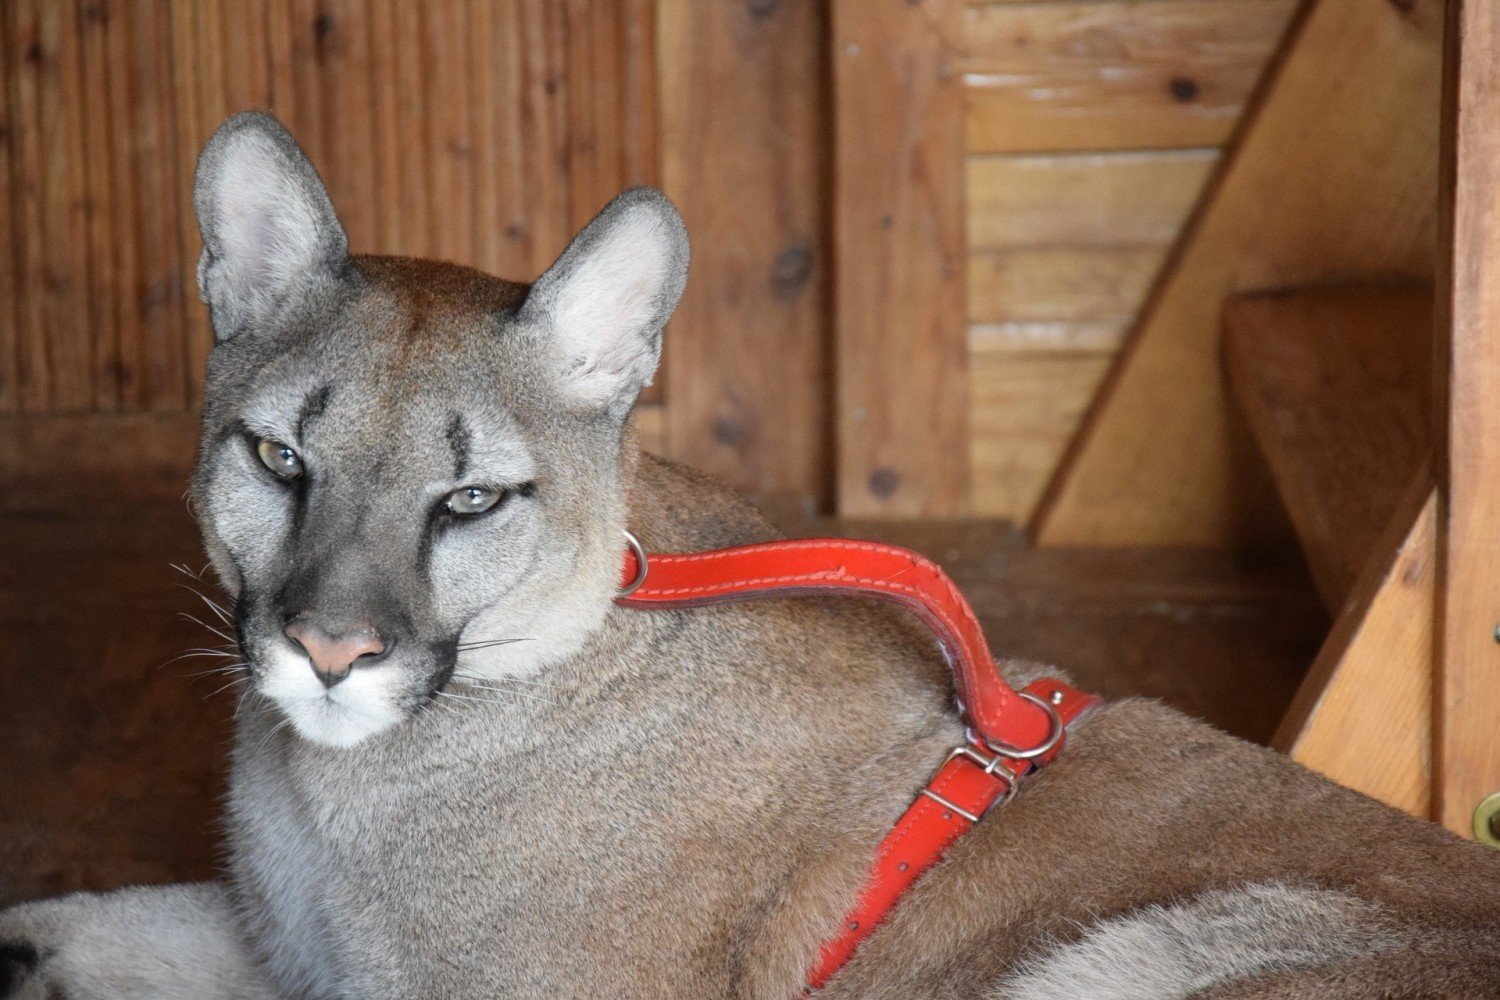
1337 386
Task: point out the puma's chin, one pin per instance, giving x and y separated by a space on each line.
362 705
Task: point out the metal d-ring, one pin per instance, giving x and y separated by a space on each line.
1053 737
642 567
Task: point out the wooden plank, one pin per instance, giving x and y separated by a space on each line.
744 156
345 73
1467 741
45 456
411 126
65 275
386 159
246 46
900 344
495 65
309 25
117 359
545 118
1025 408
192 132
1363 715
1099 199
157 298
33 371
1334 180
1337 386
1152 74
103 287
639 115
1069 284
12 310
450 139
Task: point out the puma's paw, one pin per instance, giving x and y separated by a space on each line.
166 943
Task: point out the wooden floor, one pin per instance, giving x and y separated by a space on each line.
111 759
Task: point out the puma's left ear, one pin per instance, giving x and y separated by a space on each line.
605 301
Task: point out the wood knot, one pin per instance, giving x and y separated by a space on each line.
1183 88
790 273
729 431
884 482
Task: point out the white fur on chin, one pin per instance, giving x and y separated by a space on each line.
363 704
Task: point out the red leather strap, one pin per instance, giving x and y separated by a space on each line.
961 792
830 565
1012 734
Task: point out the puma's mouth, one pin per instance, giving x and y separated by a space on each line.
367 702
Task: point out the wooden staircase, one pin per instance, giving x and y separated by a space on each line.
1336 385
1376 408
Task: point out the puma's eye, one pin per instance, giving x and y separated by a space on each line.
472 500
279 458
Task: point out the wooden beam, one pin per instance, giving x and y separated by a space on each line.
901 348
1333 178
1147 74
1467 738
743 154
1363 715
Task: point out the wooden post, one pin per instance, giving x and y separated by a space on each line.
901 346
743 134
1466 751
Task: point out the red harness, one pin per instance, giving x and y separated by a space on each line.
1011 733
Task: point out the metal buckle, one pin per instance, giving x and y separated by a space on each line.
1054 737
642 566
995 765
999 764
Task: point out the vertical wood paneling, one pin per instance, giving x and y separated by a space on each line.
744 155
482 131
548 163
385 154
902 354
33 372
450 140
10 311
162 281
65 199
341 45
197 336
1466 740
117 356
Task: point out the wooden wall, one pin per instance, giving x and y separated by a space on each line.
919 230
1092 126
483 132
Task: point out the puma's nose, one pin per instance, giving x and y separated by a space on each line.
333 656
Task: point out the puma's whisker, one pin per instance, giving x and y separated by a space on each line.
221 612
232 682
483 643
477 680
198 621
226 653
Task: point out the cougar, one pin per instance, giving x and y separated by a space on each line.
461 770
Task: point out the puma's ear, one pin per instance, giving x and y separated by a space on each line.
605 301
269 231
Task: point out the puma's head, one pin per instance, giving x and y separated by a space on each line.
410 468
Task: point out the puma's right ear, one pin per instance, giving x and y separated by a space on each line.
269 230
